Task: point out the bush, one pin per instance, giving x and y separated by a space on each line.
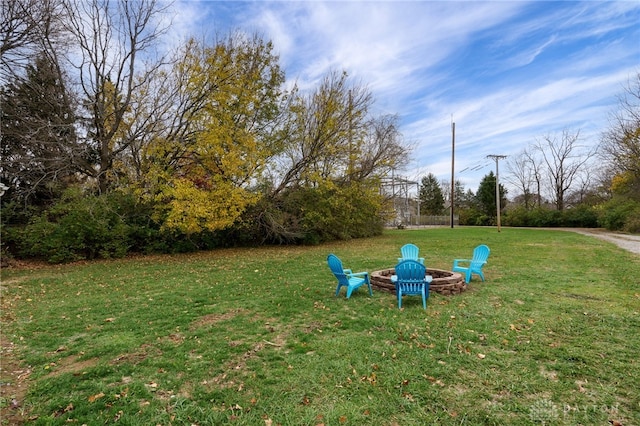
581 216
474 217
77 227
519 216
632 223
620 215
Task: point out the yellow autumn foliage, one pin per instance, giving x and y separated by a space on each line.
202 182
191 209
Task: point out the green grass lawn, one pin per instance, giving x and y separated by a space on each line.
256 336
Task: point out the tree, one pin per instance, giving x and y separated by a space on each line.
431 198
27 29
380 150
331 147
522 174
112 70
204 180
463 198
564 160
324 133
620 144
40 154
486 195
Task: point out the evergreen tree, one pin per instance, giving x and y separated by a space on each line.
431 197
486 195
37 134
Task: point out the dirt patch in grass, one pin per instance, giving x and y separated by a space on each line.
71 364
137 357
214 318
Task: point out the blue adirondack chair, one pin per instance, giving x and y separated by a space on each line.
347 278
473 265
410 252
411 280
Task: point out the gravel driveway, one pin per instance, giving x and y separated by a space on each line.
625 241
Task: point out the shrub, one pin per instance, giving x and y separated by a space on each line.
519 216
473 217
619 215
632 223
581 216
77 227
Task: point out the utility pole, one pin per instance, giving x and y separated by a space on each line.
351 155
497 158
453 156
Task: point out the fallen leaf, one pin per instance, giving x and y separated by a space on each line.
94 398
580 387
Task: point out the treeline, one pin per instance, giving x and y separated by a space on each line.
108 148
111 144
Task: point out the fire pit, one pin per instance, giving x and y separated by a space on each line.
444 282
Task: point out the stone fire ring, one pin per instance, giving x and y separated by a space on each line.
444 282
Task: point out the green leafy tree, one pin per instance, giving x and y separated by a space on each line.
431 197
486 195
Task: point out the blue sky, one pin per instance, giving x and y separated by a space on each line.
507 72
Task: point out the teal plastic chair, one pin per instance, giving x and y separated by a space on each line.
473 265
410 252
346 278
411 280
